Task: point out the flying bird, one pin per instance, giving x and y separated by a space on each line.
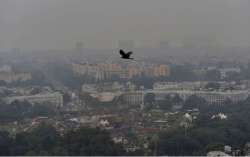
125 55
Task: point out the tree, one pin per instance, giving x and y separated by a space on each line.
143 80
40 141
5 143
177 100
167 103
233 76
2 83
194 102
88 141
213 85
213 75
149 100
66 98
175 144
182 73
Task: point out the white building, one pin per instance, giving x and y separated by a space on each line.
133 98
53 98
179 86
217 154
6 68
224 71
212 97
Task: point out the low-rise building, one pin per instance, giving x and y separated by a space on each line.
212 97
53 98
13 77
133 98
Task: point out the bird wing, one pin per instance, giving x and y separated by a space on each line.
122 53
130 53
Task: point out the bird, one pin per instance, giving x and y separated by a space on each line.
125 55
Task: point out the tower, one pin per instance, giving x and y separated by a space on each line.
79 50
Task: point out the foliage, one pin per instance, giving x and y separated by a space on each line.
213 85
149 100
18 110
209 134
46 141
213 75
194 102
182 73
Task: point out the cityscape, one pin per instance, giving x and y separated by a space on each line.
184 92
135 102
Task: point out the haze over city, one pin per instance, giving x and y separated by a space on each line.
125 78
58 24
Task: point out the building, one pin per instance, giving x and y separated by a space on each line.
217 153
106 71
13 77
179 86
133 98
6 68
53 98
161 70
157 70
225 71
212 97
88 70
8 76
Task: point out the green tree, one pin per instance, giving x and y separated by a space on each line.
5 143
194 102
149 100
88 141
40 140
213 85
213 75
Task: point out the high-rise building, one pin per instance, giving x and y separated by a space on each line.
163 70
157 70
79 50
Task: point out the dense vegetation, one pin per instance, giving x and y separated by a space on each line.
203 135
208 134
20 110
45 140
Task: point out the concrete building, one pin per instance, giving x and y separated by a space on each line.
161 70
179 86
212 97
88 70
105 71
53 98
8 76
157 70
217 153
133 98
225 71
6 68
13 77
133 71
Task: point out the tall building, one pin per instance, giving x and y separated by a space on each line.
163 70
157 70
79 50
133 72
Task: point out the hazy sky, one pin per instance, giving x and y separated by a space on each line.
42 24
